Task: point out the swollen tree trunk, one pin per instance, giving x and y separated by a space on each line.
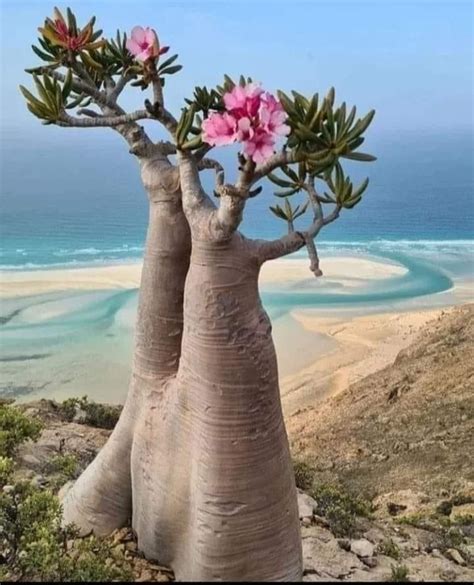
199 460
101 499
213 484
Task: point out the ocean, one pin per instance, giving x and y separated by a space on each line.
76 200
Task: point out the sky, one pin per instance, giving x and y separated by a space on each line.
411 61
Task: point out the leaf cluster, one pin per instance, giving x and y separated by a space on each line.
61 38
288 212
52 98
321 133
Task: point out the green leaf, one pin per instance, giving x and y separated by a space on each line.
171 70
286 102
361 188
302 211
360 156
287 193
191 144
289 172
280 182
168 61
71 19
352 202
30 97
255 192
278 211
360 126
67 85
42 55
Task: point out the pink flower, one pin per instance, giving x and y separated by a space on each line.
144 44
253 118
273 116
243 101
260 146
245 130
219 129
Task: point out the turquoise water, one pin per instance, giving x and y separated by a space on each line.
71 204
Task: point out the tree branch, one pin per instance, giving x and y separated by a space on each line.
277 160
102 121
119 87
271 249
161 114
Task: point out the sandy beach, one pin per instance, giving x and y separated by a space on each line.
320 350
347 269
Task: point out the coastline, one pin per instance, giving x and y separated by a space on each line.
321 349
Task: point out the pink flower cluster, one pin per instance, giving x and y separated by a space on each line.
143 44
253 118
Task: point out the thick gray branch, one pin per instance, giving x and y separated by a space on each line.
271 249
102 121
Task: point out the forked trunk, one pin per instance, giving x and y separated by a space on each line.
199 460
213 485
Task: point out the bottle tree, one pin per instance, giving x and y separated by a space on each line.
199 461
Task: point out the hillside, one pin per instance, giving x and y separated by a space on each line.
408 426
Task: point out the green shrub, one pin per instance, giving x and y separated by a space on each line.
7 466
329 495
400 574
15 429
342 523
36 547
96 415
61 468
389 549
304 475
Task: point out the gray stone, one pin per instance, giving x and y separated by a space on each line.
455 556
306 505
327 559
362 547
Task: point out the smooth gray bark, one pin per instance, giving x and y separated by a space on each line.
213 483
101 499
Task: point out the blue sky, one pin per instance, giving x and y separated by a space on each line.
411 61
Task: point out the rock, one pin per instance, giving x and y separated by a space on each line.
371 562
7 489
323 556
145 576
455 556
306 521
321 521
362 548
306 505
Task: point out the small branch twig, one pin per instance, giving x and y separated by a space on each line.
277 160
119 87
210 163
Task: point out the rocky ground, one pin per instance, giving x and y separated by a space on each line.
400 440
